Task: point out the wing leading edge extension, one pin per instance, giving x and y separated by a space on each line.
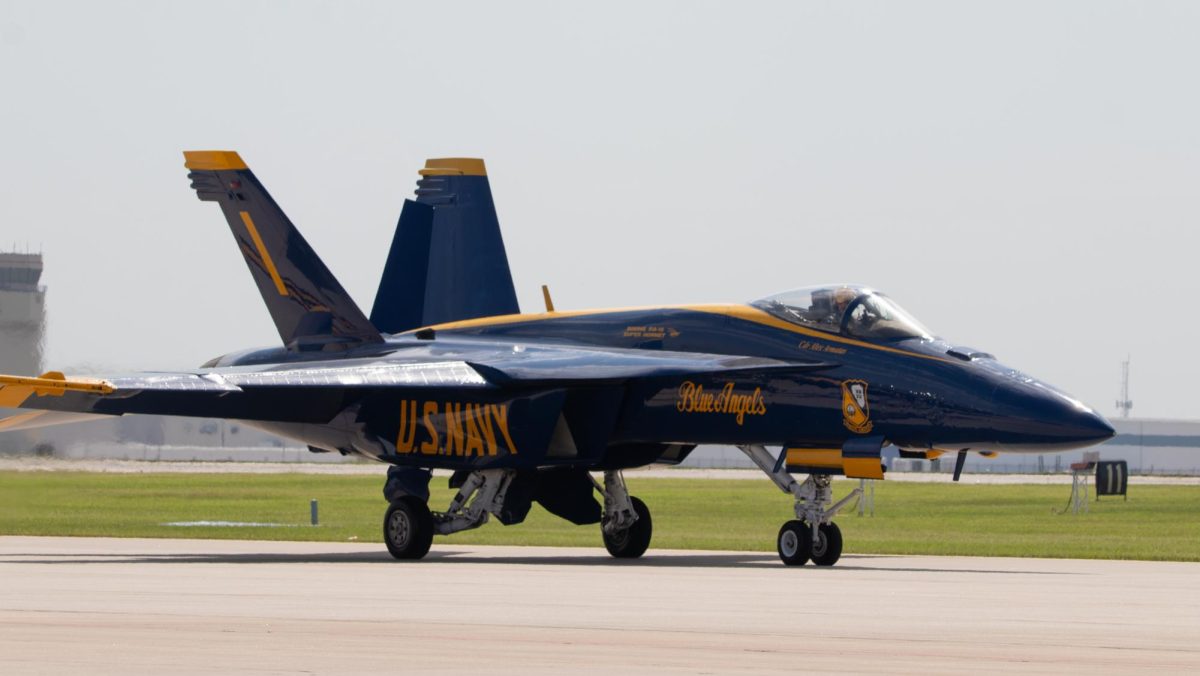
558 367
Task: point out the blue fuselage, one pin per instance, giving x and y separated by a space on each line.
915 393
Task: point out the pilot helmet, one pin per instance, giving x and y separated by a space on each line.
844 295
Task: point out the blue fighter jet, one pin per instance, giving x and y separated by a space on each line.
448 373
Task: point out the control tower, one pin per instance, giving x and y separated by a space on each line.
22 313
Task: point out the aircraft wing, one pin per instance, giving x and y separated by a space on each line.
300 392
314 392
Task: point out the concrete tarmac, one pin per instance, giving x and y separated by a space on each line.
96 606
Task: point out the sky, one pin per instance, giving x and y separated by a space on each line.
1021 176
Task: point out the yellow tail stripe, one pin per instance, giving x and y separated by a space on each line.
213 160
262 251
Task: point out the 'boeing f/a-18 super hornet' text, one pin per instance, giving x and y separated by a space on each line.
447 373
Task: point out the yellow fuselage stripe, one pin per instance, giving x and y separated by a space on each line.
262 251
832 458
815 457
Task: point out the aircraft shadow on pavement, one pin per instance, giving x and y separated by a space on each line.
747 560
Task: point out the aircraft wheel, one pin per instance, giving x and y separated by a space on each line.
794 543
631 542
828 547
408 528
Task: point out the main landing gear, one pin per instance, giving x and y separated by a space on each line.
626 525
812 535
409 525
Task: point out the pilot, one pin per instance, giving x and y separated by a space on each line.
841 300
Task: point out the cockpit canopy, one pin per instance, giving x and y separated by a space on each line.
852 311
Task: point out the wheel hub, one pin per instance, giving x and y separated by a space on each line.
789 544
399 529
820 545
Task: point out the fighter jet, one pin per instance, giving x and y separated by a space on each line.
550 407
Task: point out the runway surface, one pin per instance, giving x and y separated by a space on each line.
91 605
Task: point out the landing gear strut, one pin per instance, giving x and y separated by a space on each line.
625 526
409 526
812 535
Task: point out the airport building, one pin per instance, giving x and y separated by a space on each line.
22 313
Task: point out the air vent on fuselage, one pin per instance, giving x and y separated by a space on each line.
967 354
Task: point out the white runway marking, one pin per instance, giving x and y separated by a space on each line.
227 524
90 605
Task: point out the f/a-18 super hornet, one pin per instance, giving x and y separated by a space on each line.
550 407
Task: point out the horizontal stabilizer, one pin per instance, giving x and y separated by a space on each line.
310 308
39 419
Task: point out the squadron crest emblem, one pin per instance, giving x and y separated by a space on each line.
856 410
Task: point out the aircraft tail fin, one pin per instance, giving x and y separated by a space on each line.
310 308
447 260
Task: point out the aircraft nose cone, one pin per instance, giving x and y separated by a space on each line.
1051 420
1087 427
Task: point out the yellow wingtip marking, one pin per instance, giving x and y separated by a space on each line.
262 251
14 390
213 160
453 166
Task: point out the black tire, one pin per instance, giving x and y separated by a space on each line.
633 541
828 548
408 528
794 543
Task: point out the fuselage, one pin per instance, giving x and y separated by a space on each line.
917 393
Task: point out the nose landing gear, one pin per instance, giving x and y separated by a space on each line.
812 535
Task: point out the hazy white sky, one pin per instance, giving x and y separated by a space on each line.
1020 176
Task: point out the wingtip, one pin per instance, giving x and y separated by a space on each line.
212 160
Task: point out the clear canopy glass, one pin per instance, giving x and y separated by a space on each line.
853 311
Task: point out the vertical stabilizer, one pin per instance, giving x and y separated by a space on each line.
400 300
310 308
447 260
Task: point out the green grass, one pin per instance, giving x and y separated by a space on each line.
1158 522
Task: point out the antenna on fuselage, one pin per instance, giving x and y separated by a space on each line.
546 297
1125 404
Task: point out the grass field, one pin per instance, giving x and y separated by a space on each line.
1157 522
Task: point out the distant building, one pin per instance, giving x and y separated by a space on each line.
22 313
